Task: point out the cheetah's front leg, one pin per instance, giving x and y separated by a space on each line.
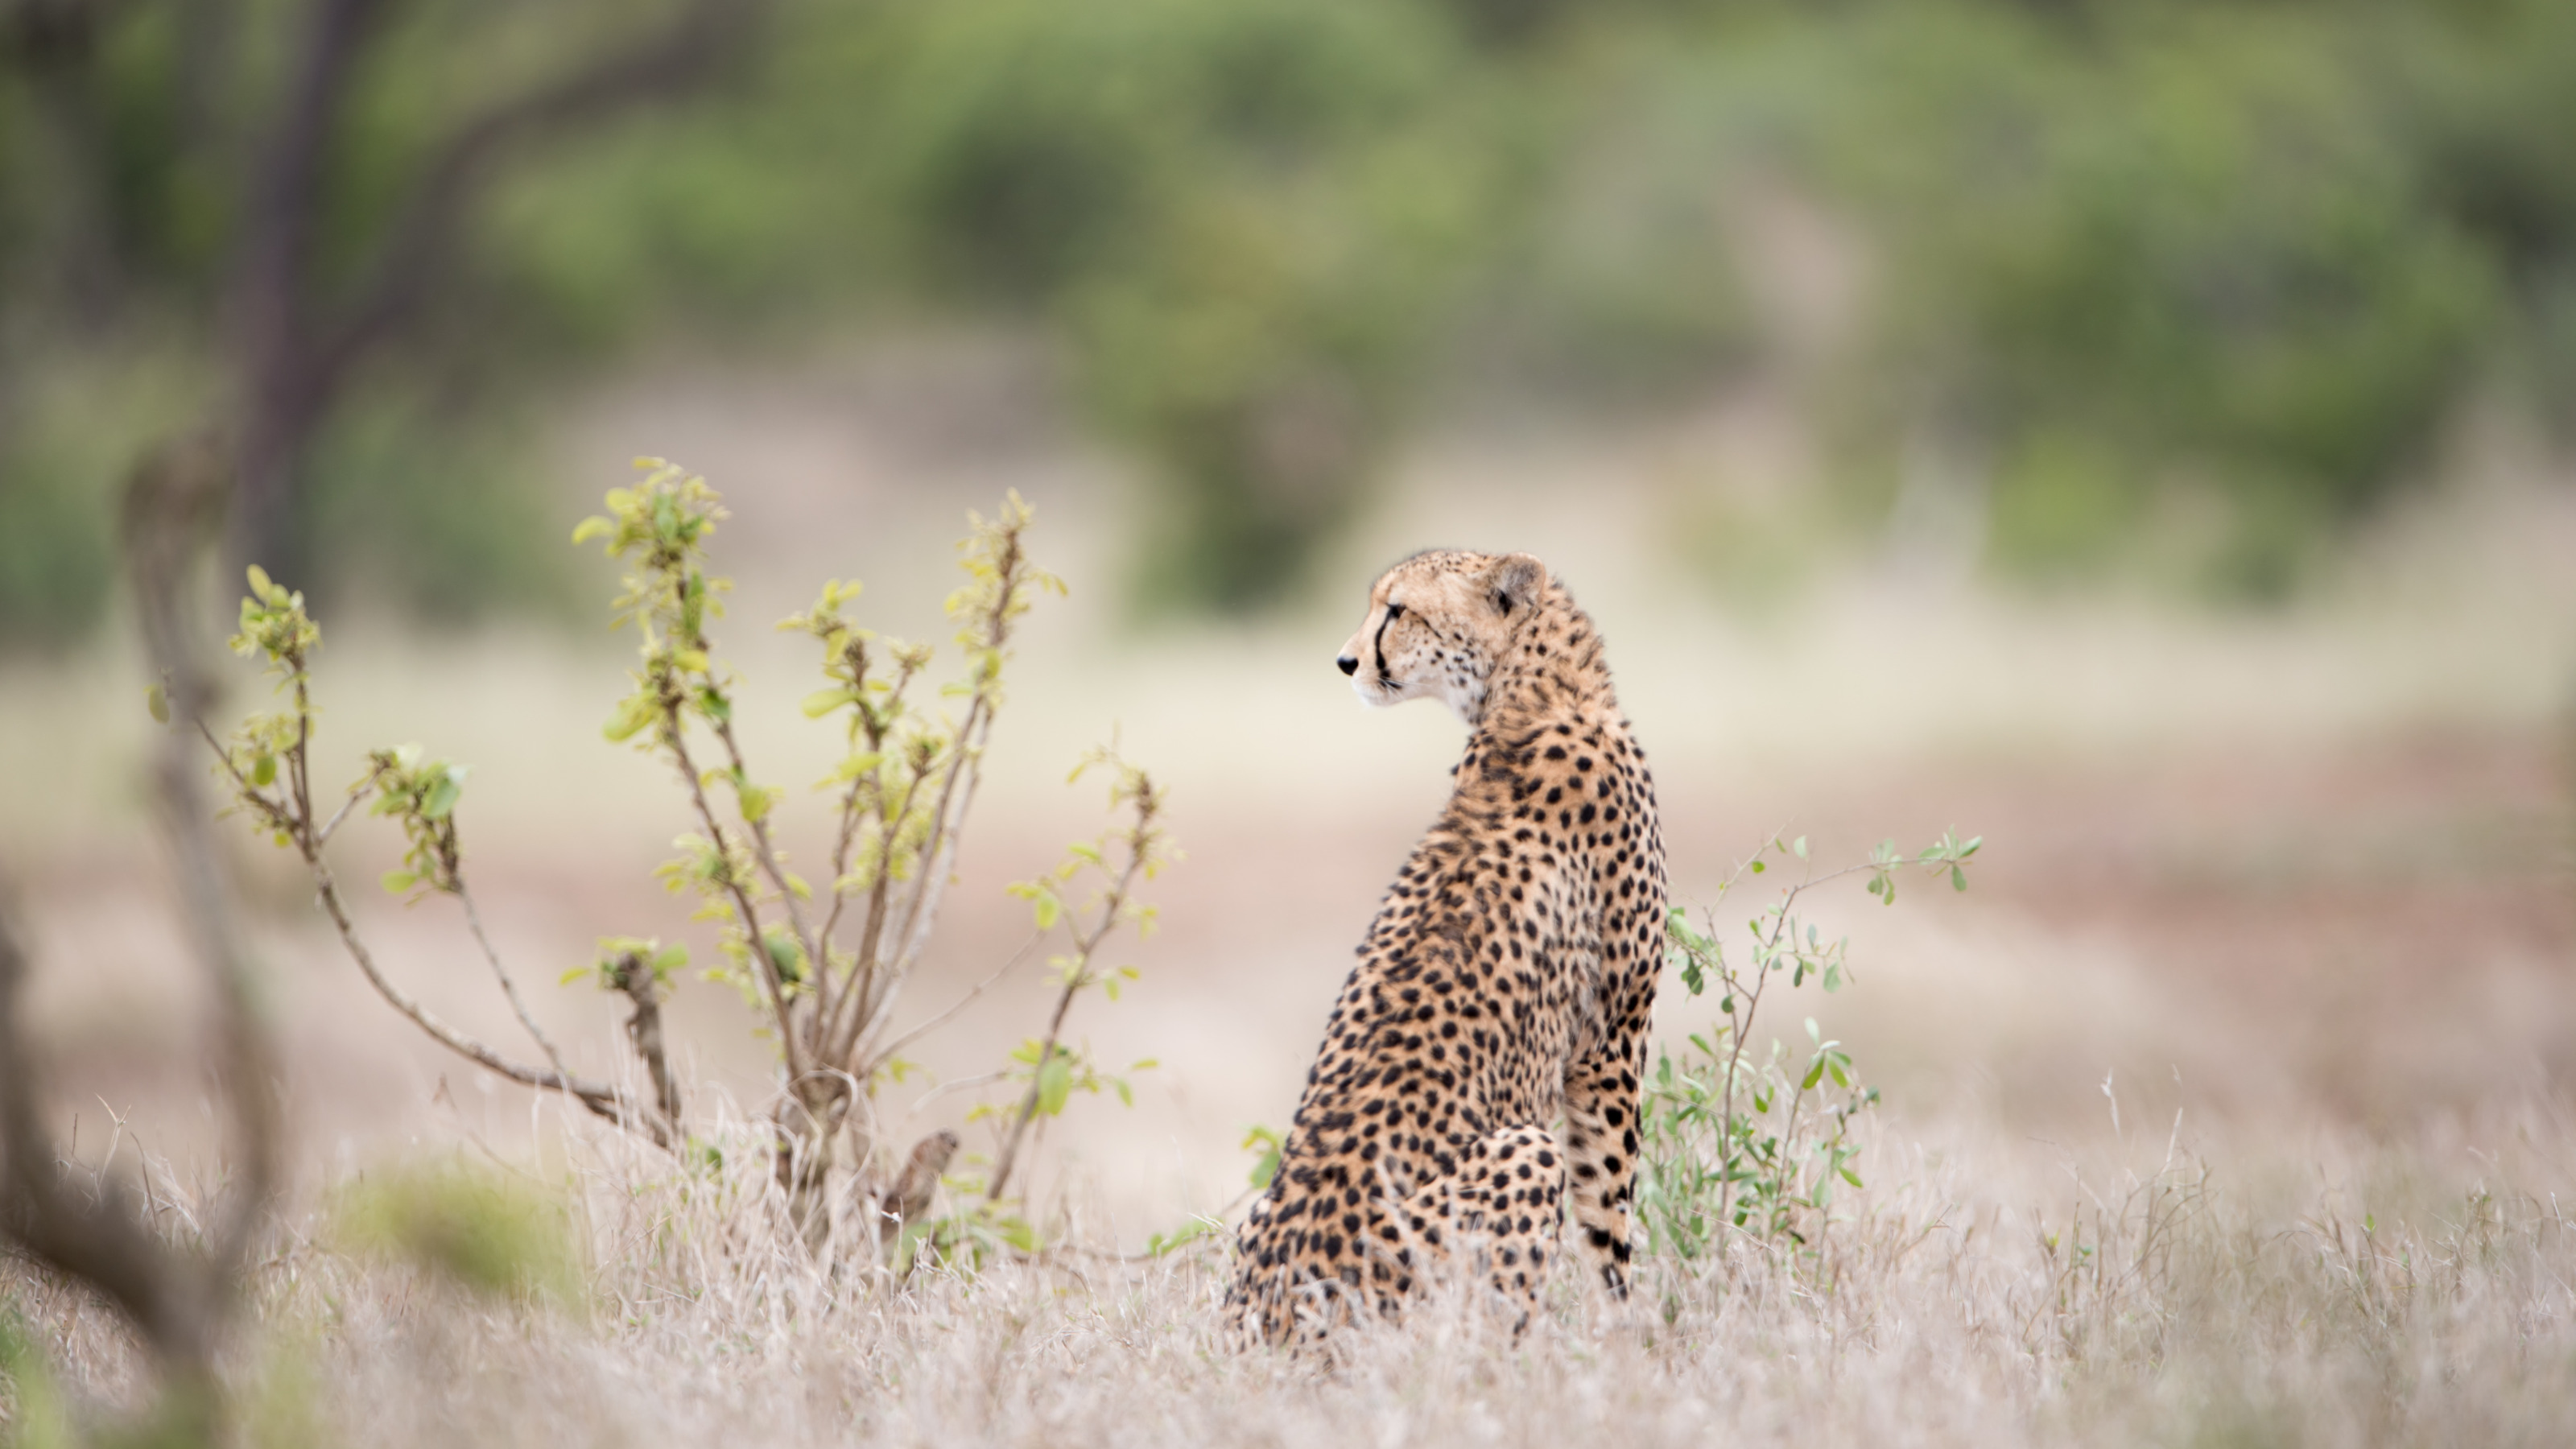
1601 1148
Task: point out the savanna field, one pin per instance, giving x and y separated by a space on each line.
818 941
2219 1108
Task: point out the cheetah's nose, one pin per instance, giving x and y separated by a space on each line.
1350 663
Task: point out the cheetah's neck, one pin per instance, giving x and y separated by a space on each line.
1554 669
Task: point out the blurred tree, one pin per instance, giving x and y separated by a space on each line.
279 192
1245 218
2150 259
2190 262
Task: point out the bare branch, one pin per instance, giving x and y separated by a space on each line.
293 358
104 1244
286 381
766 969
962 1084
357 796
690 48
881 1056
634 976
602 1099
176 1299
35 33
850 1014
166 520
817 966
509 988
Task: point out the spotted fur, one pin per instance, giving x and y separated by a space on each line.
1503 989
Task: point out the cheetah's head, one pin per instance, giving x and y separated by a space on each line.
1436 625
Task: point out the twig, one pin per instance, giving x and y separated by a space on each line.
960 1085
885 1054
357 793
509 988
1077 975
865 720
939 851
765 854
604 1100
759 944
867 972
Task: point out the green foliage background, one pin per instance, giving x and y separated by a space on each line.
2156 258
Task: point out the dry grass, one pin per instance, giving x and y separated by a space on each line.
1986 1291
2310 867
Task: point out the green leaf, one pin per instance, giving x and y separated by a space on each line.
593 527
442 797
1759 867
575 974
269 593
1958 879
823 701
263 771
632 715
785 955
157 700
1048 910
1055 1083
1125 1097
399 881
1800 846
670 958
1266 1167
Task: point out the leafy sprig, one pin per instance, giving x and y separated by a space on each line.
1761 1144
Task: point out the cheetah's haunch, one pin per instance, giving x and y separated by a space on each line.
1504 986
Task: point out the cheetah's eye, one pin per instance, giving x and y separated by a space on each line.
1394 611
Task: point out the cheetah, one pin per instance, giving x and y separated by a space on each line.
1505 984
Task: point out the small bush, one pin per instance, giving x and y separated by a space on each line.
483 1230
1750 1139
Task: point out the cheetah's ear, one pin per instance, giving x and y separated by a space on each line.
1515 582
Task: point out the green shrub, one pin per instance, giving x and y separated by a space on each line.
483 1230
1742 1136
820 963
